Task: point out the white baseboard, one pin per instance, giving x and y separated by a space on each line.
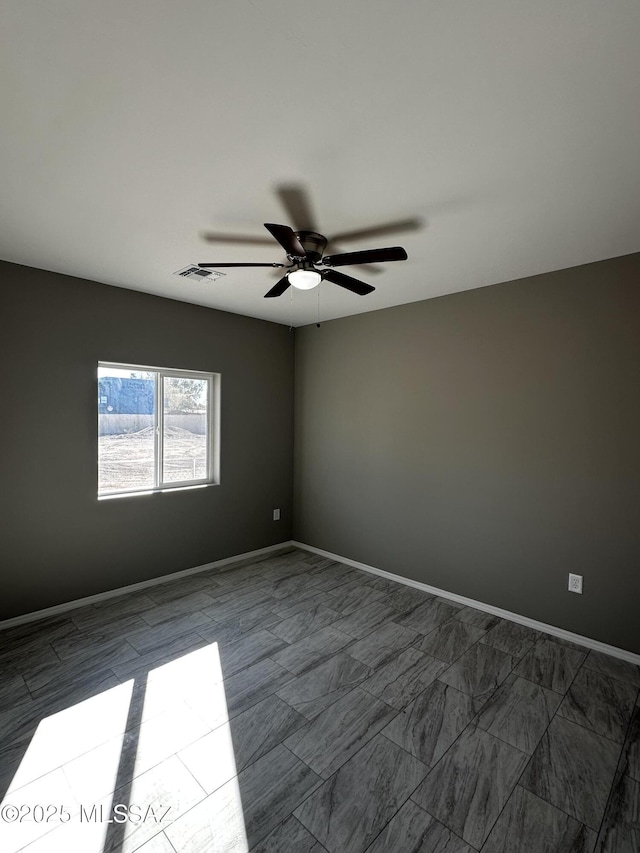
552 630
134 587
587 642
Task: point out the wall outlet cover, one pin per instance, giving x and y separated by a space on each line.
575 583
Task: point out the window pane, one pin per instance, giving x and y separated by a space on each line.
184 454
126 432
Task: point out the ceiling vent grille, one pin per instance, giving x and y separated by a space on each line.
195 273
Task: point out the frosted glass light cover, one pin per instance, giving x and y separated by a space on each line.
304 279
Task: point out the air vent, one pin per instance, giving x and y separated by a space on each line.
196 274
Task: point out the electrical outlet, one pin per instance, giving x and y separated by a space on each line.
276 515
575 583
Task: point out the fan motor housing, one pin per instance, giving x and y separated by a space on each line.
313 243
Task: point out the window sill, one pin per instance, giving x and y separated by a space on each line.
163 491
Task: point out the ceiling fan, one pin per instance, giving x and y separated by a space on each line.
305 252
305 247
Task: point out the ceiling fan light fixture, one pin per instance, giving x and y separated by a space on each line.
304 279
305 249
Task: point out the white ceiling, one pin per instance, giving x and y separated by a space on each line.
130 128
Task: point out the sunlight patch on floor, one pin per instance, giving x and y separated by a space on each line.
40 790
205 759
170 771
196 674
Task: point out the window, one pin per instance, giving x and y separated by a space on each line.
157 428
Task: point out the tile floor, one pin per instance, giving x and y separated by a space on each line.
295 704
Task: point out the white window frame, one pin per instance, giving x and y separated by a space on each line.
213 429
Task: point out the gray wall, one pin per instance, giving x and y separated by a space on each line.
486 443
57 541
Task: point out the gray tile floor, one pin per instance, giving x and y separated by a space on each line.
295 704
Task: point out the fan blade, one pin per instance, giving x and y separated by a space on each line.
394 253
347 281
287 239
413 224
279 288
206 266
217 237
296 202
368 269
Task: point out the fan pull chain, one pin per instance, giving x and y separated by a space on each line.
291 309
318 323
